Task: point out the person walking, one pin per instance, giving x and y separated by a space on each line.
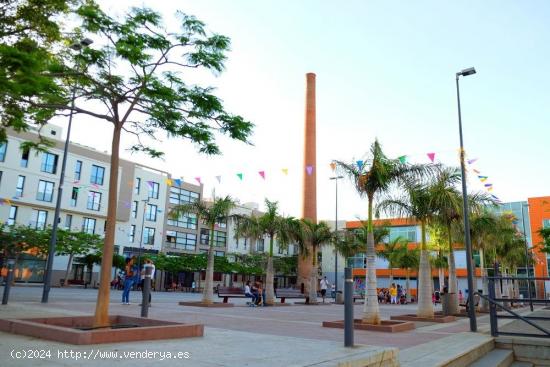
393 294
324 287
129 279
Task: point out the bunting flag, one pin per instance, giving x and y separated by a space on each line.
476 171
150 183
333 166
198 180
482 177
262 173
240 176
177 181
360 165
219 178
488 185
7 201
431 156
490 188
169 182
470 161
403 159
309 170
285 171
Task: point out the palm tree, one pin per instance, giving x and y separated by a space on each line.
315 235
390 253
416 203
269 224
408 260
372 177
211 213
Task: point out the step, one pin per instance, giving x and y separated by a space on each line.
521 364
457 350
495 358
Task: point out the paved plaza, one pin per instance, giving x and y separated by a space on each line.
263 336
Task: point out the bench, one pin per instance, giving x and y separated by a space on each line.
476 302
230 292
358 296
284 293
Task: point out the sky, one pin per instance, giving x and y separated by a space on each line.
384 70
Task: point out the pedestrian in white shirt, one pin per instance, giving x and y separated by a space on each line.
324 287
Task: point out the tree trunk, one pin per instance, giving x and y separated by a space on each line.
208 291
371 311
441 276
269 291
408 285
453 284
313 279
425 282
101 317
69 263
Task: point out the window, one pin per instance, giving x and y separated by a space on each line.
39 218
94 200
187 220
181 196
132 235
151 213
45 191
148 236
182 241
68 221
77 170
74 196
20 186
49 163
153 189
137 185
88 225
25 157
97 175
219 253
12 216
280 249
219 238
546 223
221 224
408 232
3 148
134 209
260 245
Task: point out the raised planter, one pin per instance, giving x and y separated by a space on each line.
202 304
413 317
78 329
385 325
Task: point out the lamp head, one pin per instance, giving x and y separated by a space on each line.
466 72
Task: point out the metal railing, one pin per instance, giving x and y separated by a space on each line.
505 304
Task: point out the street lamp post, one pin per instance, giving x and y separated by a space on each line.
467 239
336 178
53 240
145 203
527 258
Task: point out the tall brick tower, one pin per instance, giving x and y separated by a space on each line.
309 194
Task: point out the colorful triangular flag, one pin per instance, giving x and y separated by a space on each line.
309 170
333 166
169 182
488 185
285 171
240 176
360 165
476 171
470 161
403 159
262 173
198 180
219 178
431 156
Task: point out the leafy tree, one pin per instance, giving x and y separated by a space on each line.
274 226
135 81
408 260
315 235
545 234
390 252
29 31
75 243
373 177
210 213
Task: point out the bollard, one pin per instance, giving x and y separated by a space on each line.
348 309
146 290
9 280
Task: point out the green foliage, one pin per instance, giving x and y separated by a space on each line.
545 234
312 234
391 251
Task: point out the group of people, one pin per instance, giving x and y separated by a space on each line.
256 292
393 295
135 276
